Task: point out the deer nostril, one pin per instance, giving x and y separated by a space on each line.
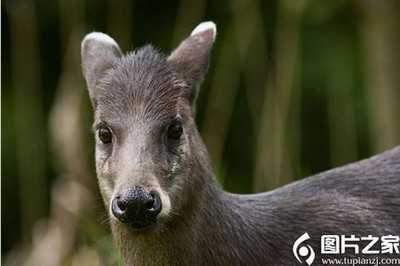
118 208
155 204
120 203
150 203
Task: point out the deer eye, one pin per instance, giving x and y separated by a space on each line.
175 130
105 135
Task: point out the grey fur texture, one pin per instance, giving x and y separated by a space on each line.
138 95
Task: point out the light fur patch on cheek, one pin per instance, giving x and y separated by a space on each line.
106 187
166 206
184 153
102 163
105 167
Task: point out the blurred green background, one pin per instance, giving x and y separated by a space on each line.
294 87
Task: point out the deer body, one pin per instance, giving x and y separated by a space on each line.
259 229
167 208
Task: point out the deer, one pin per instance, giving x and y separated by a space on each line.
164 202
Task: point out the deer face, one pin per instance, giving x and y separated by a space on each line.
144 127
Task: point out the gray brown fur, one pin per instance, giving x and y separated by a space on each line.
138 95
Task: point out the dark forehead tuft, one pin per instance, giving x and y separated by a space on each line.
142 82
142 62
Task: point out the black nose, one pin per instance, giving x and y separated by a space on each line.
136 207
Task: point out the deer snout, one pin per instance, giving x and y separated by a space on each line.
136 207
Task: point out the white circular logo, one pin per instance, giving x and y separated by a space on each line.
303 252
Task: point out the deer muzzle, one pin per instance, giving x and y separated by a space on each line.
136 207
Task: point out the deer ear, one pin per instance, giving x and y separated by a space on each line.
99 52
192 55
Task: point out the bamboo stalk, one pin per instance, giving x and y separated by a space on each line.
224 85
243 39
190 13
379 31
341 104
70 198
120 22
252 51
276 161
29 122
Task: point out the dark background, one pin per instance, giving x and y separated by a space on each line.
294 87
